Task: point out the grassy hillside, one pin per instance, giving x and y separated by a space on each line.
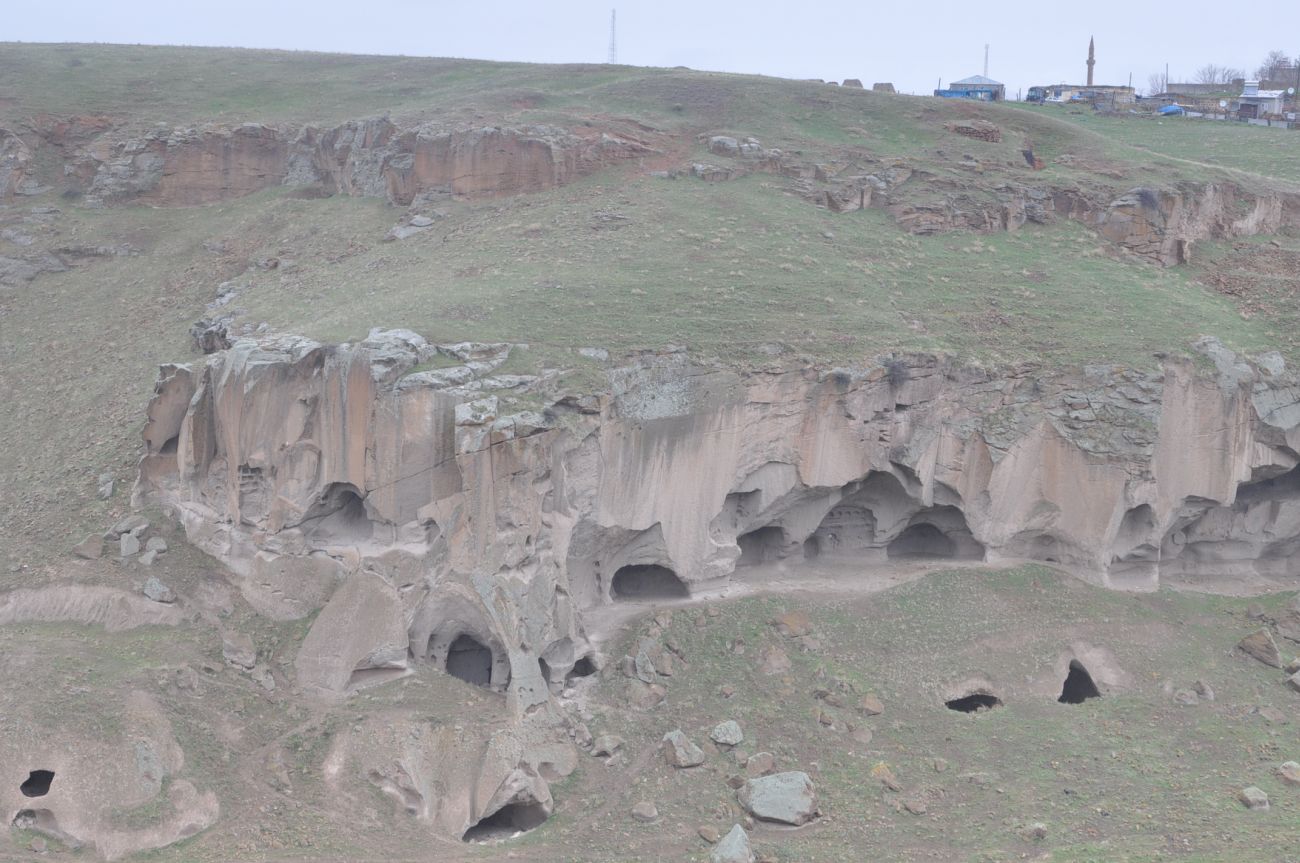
737 271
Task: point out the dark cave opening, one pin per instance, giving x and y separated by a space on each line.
760 545
505 822
470 660
339 516
647 581
1078 686
922 540
584 667
974 703
37 783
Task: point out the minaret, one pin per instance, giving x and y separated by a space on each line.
1092 59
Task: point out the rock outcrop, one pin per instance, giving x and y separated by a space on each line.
332 477
77 790
373 157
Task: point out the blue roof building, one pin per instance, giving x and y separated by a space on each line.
974 87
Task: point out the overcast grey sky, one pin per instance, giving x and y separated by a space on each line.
912 44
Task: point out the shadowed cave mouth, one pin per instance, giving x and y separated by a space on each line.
37 783
1078 686
761 545
506 822
647 581
922 540
470 660
974 703
339 516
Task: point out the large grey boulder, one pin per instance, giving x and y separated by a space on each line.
1260 645
733 848
679 751
727 733
785 797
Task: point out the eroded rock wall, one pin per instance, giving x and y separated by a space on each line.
373 158
431 529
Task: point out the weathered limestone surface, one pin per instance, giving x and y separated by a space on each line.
306 467
97 779
373 157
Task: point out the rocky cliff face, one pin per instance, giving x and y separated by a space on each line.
379 158
373 157
423 524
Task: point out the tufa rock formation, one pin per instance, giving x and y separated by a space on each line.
430 529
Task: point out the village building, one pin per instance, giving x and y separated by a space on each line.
1257 104
1097 95
978 87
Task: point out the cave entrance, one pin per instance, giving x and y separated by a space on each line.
339 516
470 660
1078 686
508 821
760 545
845 530
647 581
922 540
584 667
974 703
37 783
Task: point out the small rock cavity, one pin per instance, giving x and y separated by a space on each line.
1078 686
509 820
974 703
37 783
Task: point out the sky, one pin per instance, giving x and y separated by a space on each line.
909 44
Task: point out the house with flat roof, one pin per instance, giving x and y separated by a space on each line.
1256 104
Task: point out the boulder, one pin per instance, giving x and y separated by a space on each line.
90 548
885 774
727 733
1288 622
1260 645
679 751
793 624
1294 681
606 744
733 848
1253 798
760 764
871 705
1289 773
156 544
785 797
237 648
157 591
724 145
128 544
645 811
130 524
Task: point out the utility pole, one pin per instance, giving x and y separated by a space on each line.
613 37
986 59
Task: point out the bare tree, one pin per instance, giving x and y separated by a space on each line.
1157 83
1214 74
1275 65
